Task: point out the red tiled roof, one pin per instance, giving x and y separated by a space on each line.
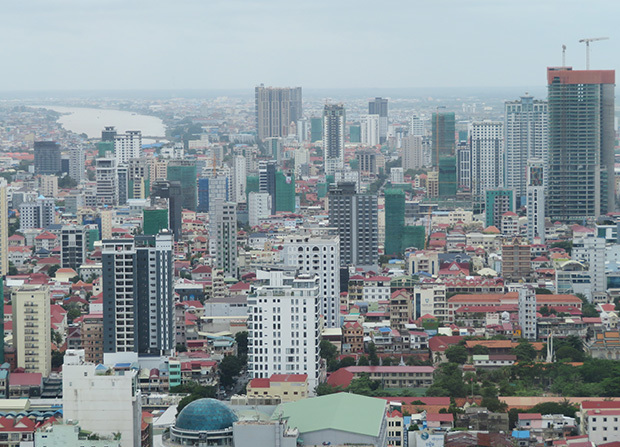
289 378
439 417
260 383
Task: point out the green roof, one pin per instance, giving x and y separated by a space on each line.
341 411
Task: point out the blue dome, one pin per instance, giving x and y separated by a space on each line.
205 415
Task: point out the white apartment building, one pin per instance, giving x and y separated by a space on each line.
39 213
430 299
397 175
127 146
32 328
283 326
487 156
413 154
527 313
590 250
223 236
318 255
91 391
259 207
239 179
535 200
48 186
107 181
370 130
76 163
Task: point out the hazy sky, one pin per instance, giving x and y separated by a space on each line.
210 44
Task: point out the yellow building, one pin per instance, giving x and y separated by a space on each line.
31 328
286 387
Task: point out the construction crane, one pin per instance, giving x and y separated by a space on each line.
587 41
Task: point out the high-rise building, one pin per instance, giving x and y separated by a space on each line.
285 192
367 161
107 134
212 189
318 255
259 207
127 146
525 126
590 250
73 246
32 328
46 157
394 221
413 157
122 184
92 337
516 261
463 163
171 194
283 326
274 149
107 181
370 129
154 220
487 157
239 179
333 137
39 213
418 126
581 143
356 218
379 106
527 313
76 163
535 200
138 178
184 171
498 202
443 136
138 294
48 186
447 177
223 236
276 109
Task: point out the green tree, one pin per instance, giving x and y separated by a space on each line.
480 350
456 354
346 362
229 369
242 343
180 348
363 361
328 352
373 358
51 272
524 351
12 269
324 389
57 359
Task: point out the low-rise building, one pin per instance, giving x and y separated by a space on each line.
284 387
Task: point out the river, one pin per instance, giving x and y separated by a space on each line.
92 121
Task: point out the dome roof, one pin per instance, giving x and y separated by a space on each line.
205 415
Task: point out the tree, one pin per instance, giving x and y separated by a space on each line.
457 354
324 389
480 350
51 272
73 312
373 358
57 359
66 182
346 362
12 269
524 351
242 343
229 368
328 352
363 361
180 348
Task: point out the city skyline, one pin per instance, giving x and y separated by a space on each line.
457 45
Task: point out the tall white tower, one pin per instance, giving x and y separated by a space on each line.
527 313
535 200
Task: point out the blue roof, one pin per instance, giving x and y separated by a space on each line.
122 365
385 329
521 434
205 415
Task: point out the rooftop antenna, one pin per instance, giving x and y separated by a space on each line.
587 41
563 55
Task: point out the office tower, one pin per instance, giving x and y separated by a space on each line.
108 134
525 126
379 106
39 213
397 175
413 157
283 326
591 251
223 236
535 200
4 230
267 180
138 294
276 109
139 178
154 220
48 186
316 129
333 137
369 129
273 148
259 207
107 181
122 184
581 143
171 194
76 163
527 313
318 255
356 217
239 179
418 126
443 136
46 157
487 157
498 202
447 177
285 192
73 246
32 328
127 146
184 171
394 221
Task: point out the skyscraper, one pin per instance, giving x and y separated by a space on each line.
239 179
413 158
276 109
370 129
379 106
581 143
333 137
527 313
535 200
184 171
525 127
76 163
127 146
443 136
137 294
487 157
267 180
394 221
31 328
73 246
171 192
356 218
46 157
107 181
223 236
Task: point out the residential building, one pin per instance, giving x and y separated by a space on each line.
73 246
401 309
138 178
413 157
394 221
92 337
536 200
487 157
333 137
280 387
497 203
276 109
76 163
370 130
516 261
367 161
39 213
283 326
171 193
525 127
527 313
107 181
318 255
417 126
379 107
430 299
397 175
32 328
223 236
48 186
46 157
590 250
581 143
127 146
259 207
356 218
239 179
463 163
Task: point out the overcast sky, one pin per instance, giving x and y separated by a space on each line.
211 44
